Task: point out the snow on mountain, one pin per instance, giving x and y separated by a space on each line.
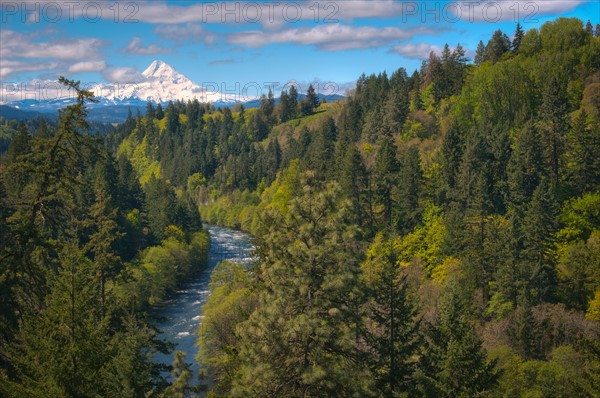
160 82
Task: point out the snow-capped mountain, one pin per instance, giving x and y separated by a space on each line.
159 83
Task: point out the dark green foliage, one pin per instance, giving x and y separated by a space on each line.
479 53
70 322
393 329
454 364
386 174
518 38
498 45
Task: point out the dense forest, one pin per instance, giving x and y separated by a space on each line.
435 234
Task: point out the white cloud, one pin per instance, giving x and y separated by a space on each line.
416 51
510 10
189 32
9 67
87 66
17 45
331 37
123 75
136 47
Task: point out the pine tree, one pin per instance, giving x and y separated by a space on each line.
452 152
150 113
180 387
61 348
19 144
160 114
101 241
285 110
299 342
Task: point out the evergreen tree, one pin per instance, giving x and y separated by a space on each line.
19 144
539 223
526 166
454 364
553 114
299 342
353 178
285 109
180 387
160 114
394 329
516 43
408 190
479 53
313 97
583 163
386 174
498 45
150 113
61 348
293 101
589 28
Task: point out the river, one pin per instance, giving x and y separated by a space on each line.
182 313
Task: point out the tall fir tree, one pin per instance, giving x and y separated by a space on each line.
454 363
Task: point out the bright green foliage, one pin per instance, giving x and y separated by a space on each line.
231 302
180 388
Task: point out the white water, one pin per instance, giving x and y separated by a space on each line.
182 313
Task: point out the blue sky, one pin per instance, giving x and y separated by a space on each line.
239 42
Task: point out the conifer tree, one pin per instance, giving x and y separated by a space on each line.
299 342
589 27
386 174
454 363
516 43
553 114
408 190
393 333
479 53
582 160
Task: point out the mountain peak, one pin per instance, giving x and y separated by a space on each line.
159 69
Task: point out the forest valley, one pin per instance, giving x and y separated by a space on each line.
433 235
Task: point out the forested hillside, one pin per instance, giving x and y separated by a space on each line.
85 252
436 234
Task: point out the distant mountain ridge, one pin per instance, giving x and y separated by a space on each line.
159 83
